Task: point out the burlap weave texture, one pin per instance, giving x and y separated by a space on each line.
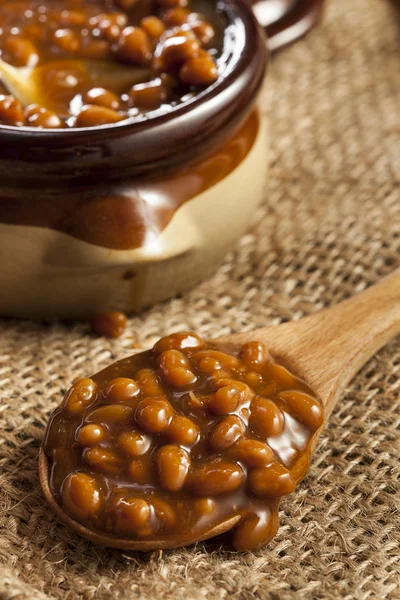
330 226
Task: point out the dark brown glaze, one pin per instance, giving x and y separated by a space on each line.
126 149
167 444
127 215
285 21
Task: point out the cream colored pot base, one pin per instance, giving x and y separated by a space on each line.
48 274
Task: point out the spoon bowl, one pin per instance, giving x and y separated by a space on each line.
112 542
325 349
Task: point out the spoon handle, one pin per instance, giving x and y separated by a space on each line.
329 347
338 341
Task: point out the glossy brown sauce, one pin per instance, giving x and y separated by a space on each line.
169 443
124 215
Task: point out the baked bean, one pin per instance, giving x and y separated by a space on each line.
255 355
172 53
134 46
110 414
92 115
102 459
11 111
242 388
178 341
266 419
154 414
175 369
164 513
215 477
121 389
20 51
139 471
199 70
149 383
72 18
169 82
281 376
111 25
91 434
109 324
303 408
176 16
34 32
95 49
255 530
110 32
131 514
81 395
268 390
81 497
112 324
180 377
218 375
226 360
254 379
225 433
37 116
227 398
67 40
209 365
134 443
203 31
149 95
153 26
204 506
182 430
272 481
173 465
252 453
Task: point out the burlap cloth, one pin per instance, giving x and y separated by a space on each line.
329 227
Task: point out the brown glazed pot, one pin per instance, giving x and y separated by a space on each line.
285 21
122 216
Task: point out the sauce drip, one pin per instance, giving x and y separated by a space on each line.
127 215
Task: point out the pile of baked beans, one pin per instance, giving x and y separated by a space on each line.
173 46
169 443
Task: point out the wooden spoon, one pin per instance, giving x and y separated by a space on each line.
46 85
325 349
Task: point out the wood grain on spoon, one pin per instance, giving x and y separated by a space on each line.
325 349
329 347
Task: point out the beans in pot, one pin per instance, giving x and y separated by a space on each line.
171 442
169 48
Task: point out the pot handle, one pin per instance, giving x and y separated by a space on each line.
285 21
